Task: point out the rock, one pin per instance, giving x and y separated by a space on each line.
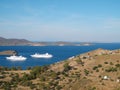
8 52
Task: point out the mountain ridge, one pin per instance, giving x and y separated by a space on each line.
24 42
8 42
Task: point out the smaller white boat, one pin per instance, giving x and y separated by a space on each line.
16 58
46 55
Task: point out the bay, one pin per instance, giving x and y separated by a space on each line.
59 53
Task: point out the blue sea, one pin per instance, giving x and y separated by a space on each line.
59 53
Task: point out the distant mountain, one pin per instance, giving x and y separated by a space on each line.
14 42
21 42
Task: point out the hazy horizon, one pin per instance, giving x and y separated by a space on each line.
61 20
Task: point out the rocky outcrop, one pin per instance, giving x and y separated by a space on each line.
8 52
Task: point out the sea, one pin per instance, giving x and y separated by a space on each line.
59 53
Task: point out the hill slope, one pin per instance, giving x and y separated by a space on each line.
95 70
89 71
8 42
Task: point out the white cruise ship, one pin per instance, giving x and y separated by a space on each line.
46 55
16 58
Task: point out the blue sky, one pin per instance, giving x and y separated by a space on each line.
61 20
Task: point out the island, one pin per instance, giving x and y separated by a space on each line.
8 52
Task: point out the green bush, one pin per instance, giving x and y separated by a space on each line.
111 63
86 72
92 88
111 69
117 65
42 78
95 67
99 65
105 62
67 67
58 87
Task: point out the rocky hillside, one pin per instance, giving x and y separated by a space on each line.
95 70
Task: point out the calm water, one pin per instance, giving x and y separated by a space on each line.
59 53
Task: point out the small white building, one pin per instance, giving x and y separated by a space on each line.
118 80
71 57
105 77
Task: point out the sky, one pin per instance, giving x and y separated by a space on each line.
61 20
